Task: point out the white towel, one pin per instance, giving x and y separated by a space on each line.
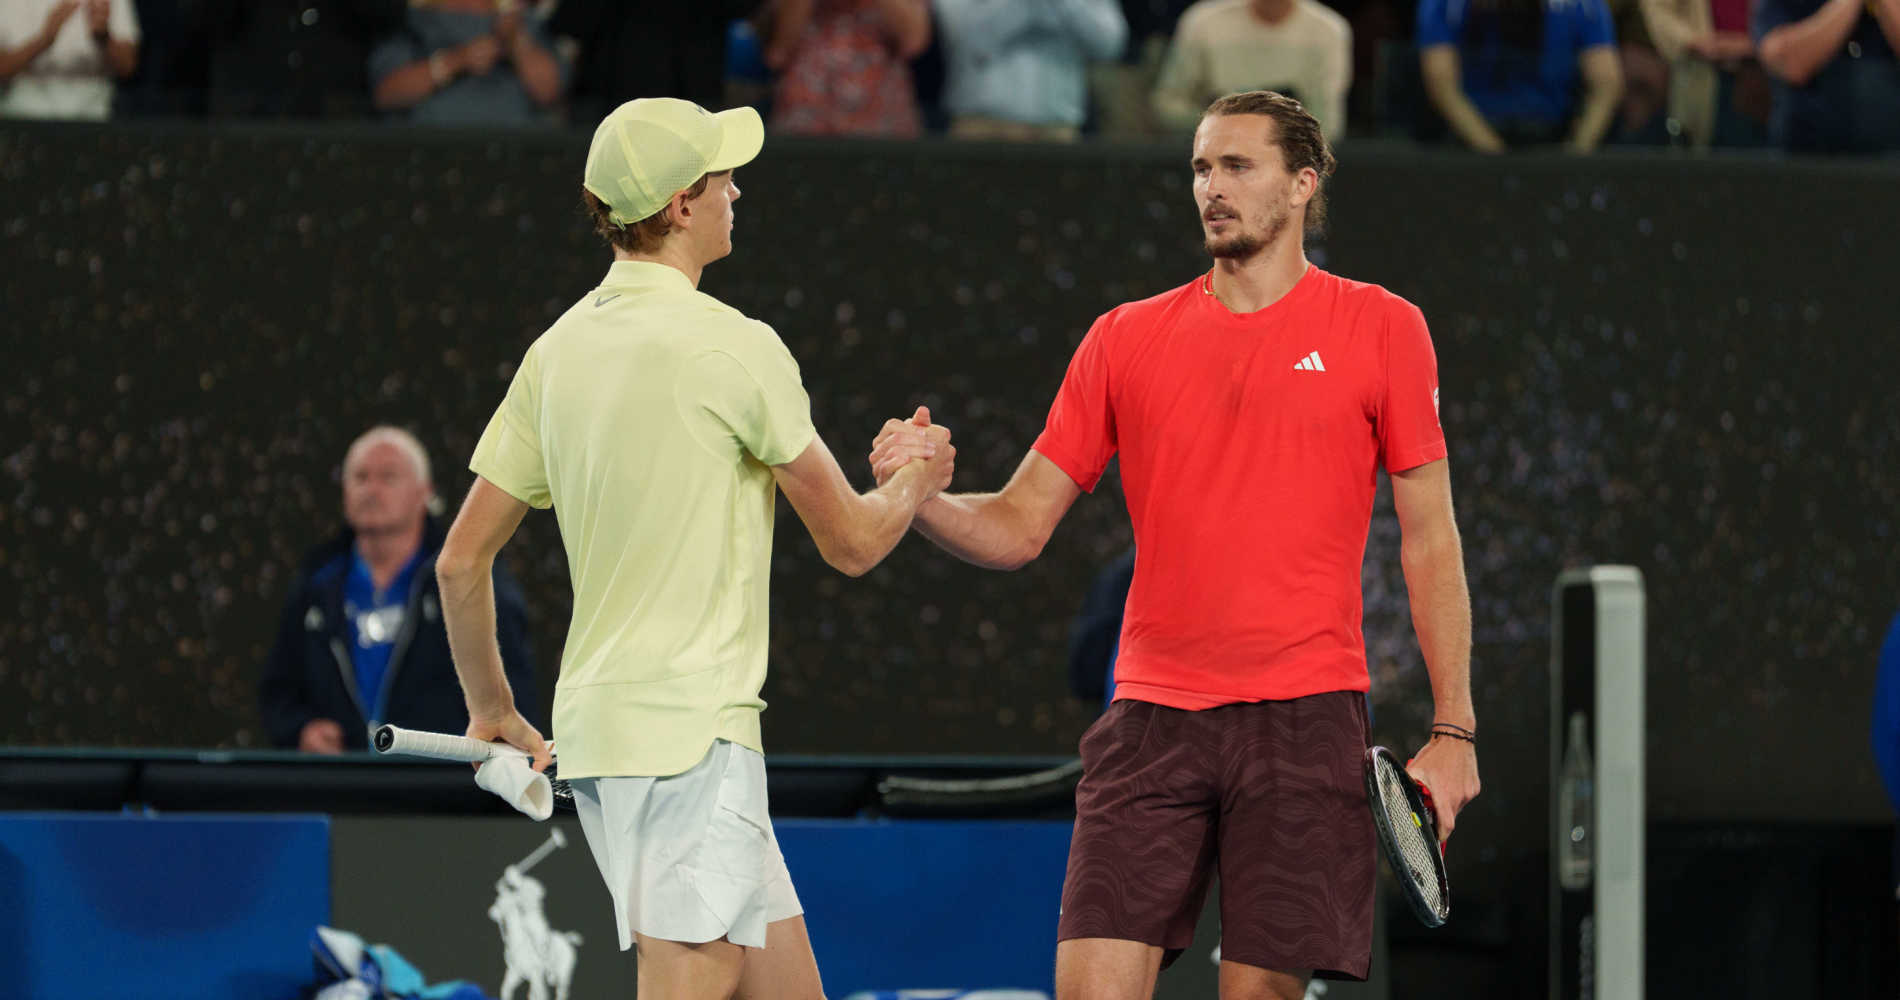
518 784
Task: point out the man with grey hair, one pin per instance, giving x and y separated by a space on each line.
361 640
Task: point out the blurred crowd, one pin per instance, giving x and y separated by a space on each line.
1812 76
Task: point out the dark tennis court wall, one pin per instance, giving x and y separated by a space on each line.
1678 364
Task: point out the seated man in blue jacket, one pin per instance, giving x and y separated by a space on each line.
361 640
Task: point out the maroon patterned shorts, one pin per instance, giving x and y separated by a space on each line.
1268 793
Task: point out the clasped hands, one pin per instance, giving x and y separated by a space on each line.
903 442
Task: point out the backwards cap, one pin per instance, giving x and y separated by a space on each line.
648 150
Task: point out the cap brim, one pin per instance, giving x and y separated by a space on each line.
744 136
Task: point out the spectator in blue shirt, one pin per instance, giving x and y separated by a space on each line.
1018 69
1837 83
1505 72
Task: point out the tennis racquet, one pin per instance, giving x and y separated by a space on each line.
1408 833
442 746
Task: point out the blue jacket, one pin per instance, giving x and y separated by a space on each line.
310 676
1886 727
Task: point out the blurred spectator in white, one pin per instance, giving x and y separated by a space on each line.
1300 48
468 62
844 66
1018 69
622 51
1505 72
1837 80
60 58
1717 92
293 58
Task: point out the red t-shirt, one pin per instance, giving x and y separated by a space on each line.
1249 447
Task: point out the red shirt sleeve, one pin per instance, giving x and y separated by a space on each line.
1409 432
1080 435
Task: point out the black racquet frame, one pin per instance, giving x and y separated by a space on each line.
1426 823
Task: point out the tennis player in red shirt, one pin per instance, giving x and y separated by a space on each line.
1252 409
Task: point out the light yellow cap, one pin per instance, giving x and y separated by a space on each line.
651 149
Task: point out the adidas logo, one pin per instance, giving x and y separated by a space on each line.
1310 363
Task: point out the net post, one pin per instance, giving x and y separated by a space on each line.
1597 813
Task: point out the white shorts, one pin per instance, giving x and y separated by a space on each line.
690 857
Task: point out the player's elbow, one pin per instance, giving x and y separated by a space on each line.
851 565
455 566
847 555
1023 550
1427 551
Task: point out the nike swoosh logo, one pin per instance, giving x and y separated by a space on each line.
604 299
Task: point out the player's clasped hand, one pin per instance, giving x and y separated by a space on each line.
904 441
1449 769
515 730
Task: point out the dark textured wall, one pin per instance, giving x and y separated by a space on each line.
1679 364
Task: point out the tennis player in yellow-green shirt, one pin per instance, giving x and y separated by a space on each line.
658 423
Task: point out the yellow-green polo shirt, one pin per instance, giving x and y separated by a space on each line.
647 417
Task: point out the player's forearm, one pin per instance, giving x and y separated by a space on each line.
881 519
468 614
980 528
1441 615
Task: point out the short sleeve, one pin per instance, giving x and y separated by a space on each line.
1409 432
509 453
1080 435
753 391
1439 22
1595 25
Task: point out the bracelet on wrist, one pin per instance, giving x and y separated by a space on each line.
438 69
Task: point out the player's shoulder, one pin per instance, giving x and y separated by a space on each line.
1366 297
1153 309
713 310
725 328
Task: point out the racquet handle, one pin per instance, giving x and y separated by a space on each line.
440 746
